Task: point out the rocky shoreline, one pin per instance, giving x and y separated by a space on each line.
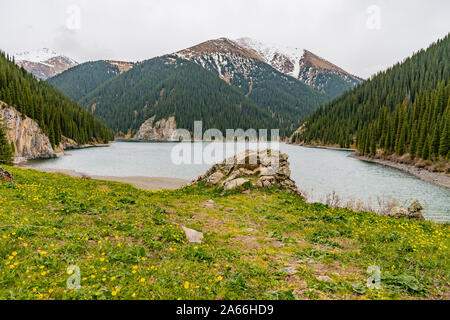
439 179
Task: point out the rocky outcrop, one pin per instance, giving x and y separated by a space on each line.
413 212
261 169
5 176
29 141
161 130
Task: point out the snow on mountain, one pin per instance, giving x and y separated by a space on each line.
36 55
303 65
44 63
284 59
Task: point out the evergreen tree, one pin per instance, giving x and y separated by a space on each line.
403 109
6 152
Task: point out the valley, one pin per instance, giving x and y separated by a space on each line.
100 199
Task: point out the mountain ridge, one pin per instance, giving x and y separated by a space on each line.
44 63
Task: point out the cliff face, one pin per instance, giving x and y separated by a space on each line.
29 141
161 130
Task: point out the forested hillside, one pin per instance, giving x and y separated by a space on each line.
404 109
83 78
168 86
282 95
55 113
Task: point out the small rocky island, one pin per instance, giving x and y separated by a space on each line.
262 169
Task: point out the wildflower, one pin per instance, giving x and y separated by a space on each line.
142 280
186 285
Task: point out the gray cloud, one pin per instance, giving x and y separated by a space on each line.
140 29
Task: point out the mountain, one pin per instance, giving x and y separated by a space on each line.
78 81
169 86
44 63
58 116
281 95
303 65
403 111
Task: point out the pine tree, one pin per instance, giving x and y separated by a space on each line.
6 153
444 145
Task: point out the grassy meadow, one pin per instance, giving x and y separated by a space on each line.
260 244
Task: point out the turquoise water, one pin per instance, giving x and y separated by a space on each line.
318 172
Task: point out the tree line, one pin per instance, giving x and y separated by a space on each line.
404 109
56 114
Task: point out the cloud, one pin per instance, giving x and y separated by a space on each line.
140 29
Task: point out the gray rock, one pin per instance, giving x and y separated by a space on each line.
324 278
29 140
288 270
193 236
264 169
215 177
161 130
235 183
410 213
5 176
415 206
398 212
209 203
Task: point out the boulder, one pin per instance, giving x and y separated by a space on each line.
193 236
412 213
415 206
398 212
5 176
235 183
263 168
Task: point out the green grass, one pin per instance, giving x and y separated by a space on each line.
128 244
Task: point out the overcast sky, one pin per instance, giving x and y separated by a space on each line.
361 36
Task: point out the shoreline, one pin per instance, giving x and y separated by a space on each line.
439 179
139 182
321 147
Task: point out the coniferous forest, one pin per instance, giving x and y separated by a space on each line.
403 110
82 79
56 114
168 86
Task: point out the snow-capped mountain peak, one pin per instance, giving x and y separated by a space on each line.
44 63
40 55
303 65
284 59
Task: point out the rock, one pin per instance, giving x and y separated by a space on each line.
288 270
161 130
29 140
266 181
235 183
209 203
5 176
412 213
415 206
324 278
193 236
398 212
264 169
215 177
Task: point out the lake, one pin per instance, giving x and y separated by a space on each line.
318 172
